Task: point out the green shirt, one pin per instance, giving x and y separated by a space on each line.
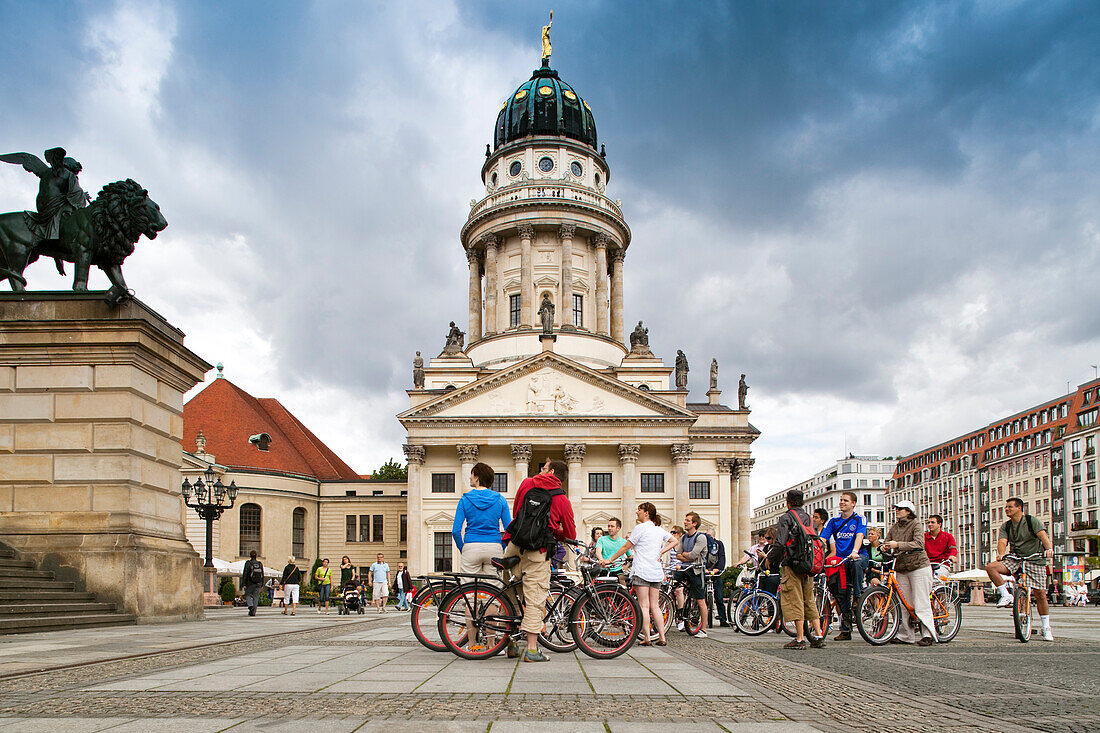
1021 541
608 547
323 576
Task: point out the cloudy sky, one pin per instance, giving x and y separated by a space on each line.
887 214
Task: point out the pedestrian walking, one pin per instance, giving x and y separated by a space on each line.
347 572
912 571
322 578
252 580
797 594
402 585
292 581
380 582
480 518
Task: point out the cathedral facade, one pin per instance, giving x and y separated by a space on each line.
544 369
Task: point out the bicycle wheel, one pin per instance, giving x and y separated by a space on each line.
466 607
424 616
946 614
824 611
756 613
668 609
605 621
878 616
1021 613
555 634
731 608
693 617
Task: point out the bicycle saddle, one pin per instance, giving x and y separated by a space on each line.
505 563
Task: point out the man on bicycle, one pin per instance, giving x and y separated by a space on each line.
692 554
609 544
1023 535
940 546
845 535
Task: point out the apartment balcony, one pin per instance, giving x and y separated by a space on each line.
1087 528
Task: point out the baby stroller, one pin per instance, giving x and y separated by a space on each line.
352 601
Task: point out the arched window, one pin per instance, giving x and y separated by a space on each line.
250 529
298 533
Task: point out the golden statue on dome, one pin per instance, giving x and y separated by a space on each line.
546 40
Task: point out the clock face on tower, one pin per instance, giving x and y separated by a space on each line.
546 164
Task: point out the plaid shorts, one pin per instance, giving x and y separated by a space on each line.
1035 573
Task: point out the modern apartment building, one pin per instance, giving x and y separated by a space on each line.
867 476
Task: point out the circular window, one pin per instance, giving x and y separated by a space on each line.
515 168
546 164
577 168
521 94
493 179
597 177
569 95
546 91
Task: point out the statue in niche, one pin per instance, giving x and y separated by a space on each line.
533 389
742 393
714 374
639 341
546 313
455 340
681 370
418 372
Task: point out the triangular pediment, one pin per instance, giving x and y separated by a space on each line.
548 386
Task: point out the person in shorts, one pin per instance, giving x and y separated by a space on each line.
647 540
1023 534
380 582
292 581
692 554
322 578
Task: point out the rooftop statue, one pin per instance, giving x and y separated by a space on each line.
418 372
714 374
455 339
546 40
70 229
681 370
742 393
639 341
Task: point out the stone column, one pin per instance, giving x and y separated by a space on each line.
574 456
91 419
474 258
744 511
467 456
681 454
617 295
417 547
526 276
492 286
727 521
628 457
521 454
600 242
566 307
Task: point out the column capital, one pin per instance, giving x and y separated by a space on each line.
521 453
743 466
526 231
414 454
467 453
473 257
567 230
618 255
574 452
681 452
628 453
489 240
601 241
726 465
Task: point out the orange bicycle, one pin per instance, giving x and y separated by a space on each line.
878 611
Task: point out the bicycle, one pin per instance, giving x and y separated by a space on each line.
689 613
424 615
603 617
878 611
757 611
1022 598
826 606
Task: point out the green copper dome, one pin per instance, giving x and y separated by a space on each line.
545 105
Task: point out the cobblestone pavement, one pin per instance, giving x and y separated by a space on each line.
366 674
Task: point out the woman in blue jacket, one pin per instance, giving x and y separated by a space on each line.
485 513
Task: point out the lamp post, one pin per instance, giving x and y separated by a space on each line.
208 505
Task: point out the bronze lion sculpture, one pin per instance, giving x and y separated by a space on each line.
102 234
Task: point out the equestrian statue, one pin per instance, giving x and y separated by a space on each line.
70 227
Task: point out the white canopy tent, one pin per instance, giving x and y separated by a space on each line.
975 574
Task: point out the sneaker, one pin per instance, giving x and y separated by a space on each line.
1005 602
513 650
843 636
679 625
702 634
816 643
795 645
1048 635
535 656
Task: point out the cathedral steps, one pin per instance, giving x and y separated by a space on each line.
33 600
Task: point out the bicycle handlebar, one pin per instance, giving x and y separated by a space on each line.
1033 556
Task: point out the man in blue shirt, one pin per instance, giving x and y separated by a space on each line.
845 537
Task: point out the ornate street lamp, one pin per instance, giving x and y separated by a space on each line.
208 505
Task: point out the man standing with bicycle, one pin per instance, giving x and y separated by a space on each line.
1023 535
692 553
845 537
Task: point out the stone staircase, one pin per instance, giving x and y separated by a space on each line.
32 600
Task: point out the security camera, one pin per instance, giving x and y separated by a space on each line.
260 440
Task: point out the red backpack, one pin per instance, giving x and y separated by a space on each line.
805 550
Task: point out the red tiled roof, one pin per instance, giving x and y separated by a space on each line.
228 416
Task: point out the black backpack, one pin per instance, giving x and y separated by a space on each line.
530 529
255 573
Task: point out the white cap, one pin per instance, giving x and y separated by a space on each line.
906 504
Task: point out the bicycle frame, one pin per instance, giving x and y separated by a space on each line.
939 612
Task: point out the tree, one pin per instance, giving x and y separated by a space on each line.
391 470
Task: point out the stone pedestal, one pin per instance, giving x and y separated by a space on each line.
91 401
